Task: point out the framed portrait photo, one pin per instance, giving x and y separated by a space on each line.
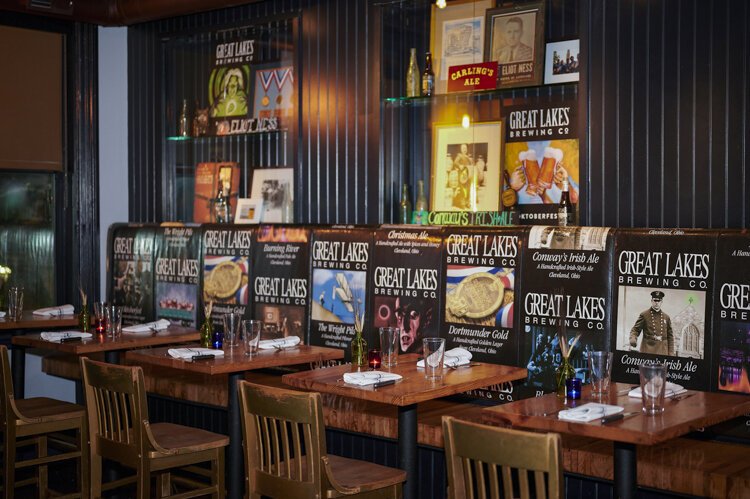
248 211
271 185
456 37
515 40
467 167
562 61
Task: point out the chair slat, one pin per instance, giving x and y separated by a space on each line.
479 473
540 481
507 481
468 477
523 483
494 480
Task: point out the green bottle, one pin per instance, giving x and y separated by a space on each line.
404 209
207 328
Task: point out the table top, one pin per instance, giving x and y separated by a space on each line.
235 360
31 321
99 343
689 412
413 388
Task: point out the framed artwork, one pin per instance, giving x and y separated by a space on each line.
271 185
515 40
467 167
248 211
562 61
273 90
457 37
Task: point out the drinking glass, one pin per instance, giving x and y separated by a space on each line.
389 345
232 327
100 320
600 368
434 350
113 318
251 336
15 303
653 382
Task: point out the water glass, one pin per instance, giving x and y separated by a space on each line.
600 369
434 351
113 318
251 336
232 328
15 303
389 346
653 382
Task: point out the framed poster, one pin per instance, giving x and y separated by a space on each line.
271 184
515 40
467 167
457 37
562 61
273 90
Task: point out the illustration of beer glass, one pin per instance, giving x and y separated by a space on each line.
552 158
531 167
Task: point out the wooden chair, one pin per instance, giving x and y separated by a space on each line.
482 459
285 451
39 421
119 430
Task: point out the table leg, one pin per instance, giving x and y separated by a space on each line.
112 357
18 356
626 477
234 462
407 447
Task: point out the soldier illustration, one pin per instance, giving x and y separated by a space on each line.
656 327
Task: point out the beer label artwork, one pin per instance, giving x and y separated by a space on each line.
340 262
567 276
406 283
132 278
177 271
541 151
281 282
226 269
663 297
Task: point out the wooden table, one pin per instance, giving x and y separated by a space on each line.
235 363
31 321
693 410
406 394
97 343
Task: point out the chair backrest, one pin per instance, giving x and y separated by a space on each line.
117 411
284 441
6 384
485 461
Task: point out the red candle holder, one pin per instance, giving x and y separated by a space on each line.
373 358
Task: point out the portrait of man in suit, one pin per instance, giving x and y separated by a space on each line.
513 38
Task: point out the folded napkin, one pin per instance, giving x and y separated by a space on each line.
279 343
366 378
189 353
670 390
589 412
453 358
53 311
147 327
2 314
59 335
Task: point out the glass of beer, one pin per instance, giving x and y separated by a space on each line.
552 158
531 167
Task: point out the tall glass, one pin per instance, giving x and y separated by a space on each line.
100 320
434 351
113 319
600 370
251 336
653 382
15 303
232 328
389 345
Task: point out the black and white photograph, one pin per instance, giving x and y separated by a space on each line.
272 185
579 238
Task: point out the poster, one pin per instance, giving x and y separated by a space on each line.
131 272
177 275
209 178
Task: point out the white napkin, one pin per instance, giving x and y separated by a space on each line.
589 412
2 314
279 343
370 377
670 390
147 327
53 311
189 353
453 358
58 335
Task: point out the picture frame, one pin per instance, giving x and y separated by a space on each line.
273 89
270 185
467 168
249 211
562 61
456 37
515 40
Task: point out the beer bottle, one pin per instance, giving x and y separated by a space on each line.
412 76
420 208
221 205
182 125
428 77
565 208
404 210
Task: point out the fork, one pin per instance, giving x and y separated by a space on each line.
462 365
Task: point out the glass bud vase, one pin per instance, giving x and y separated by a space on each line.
84 320
563 373
359 350
207 333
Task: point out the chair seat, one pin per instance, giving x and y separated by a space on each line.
184 439
43 409
366 476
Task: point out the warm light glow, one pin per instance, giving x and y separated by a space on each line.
465 121
440 4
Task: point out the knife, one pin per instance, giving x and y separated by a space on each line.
203 356
71 339
617 417
384 383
